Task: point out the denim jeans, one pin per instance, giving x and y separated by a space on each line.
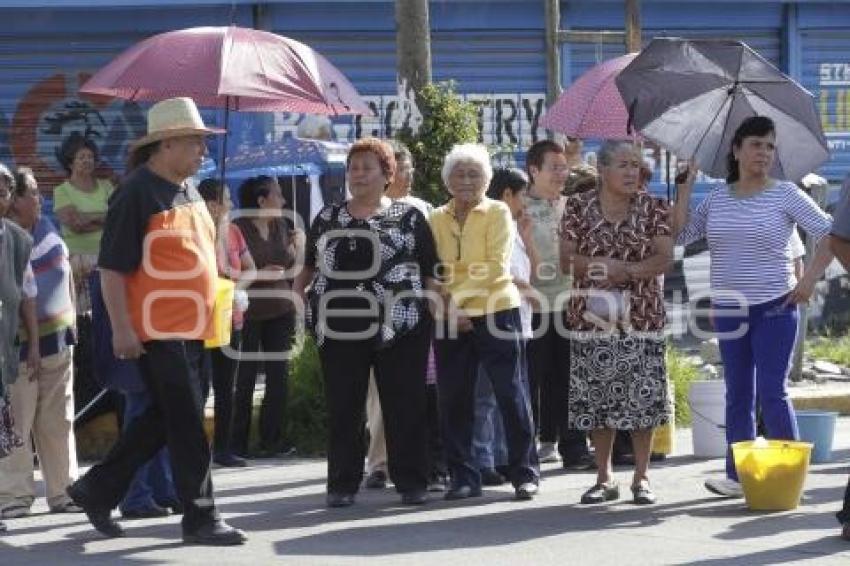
458 359
488 438
152 483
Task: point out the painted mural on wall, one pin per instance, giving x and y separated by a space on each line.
50 110
508 119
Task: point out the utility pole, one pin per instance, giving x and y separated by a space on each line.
633 31
413 46
553 55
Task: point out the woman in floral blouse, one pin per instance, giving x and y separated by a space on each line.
368 262
617 241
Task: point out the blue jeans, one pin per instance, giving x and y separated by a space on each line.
757 362
488 438
457 366
152 483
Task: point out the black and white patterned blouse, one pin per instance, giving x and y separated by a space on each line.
360 292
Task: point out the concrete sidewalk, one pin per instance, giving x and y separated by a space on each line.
281 506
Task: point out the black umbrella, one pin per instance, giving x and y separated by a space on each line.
690 96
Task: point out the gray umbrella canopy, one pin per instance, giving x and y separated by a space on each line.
689 96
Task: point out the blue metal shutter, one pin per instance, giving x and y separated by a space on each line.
826 73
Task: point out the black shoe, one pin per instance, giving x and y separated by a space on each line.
335 500
414 497
600 493
491 477
462 492
151 511
99 517
581 464
217 533
376 480
526 491
228 460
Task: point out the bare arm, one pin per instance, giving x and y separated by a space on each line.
841 250
657 263
80 222
681 208
814 271
613 270
125 342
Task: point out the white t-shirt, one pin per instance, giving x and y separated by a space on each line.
521 269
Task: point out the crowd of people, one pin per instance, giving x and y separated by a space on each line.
521 322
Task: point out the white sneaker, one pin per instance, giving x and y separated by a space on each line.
546 454
724 487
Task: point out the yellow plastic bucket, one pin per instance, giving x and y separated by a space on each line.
222 314
772 472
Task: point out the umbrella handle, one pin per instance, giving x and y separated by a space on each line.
630 122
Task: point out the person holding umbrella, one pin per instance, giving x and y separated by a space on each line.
748 222
158 271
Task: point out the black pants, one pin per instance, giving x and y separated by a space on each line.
272 340
457 364
400 378
844 515
174 418
549 379
223 377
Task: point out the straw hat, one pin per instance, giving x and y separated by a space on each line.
173 118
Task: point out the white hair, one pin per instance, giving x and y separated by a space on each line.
468 153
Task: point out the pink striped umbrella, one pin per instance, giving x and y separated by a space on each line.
229 67
592 108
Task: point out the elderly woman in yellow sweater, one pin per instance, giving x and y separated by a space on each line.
479 323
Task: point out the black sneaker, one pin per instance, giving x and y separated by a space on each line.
376 480
336 500
491 477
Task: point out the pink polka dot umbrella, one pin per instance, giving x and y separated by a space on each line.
592 108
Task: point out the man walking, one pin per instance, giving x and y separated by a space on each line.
158 272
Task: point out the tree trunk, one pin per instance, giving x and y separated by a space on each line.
413 47
633 31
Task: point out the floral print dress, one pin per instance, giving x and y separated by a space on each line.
618 377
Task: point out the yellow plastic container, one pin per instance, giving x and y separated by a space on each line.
222 314
664 438
772 472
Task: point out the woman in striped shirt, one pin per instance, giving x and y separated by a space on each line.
748 223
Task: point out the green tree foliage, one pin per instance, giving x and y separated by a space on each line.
446 120
306 418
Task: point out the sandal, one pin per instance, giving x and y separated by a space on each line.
642 493
67 507
600 493
15 511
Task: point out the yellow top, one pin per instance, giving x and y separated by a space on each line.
475 258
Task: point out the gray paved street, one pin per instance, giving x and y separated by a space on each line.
281 505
